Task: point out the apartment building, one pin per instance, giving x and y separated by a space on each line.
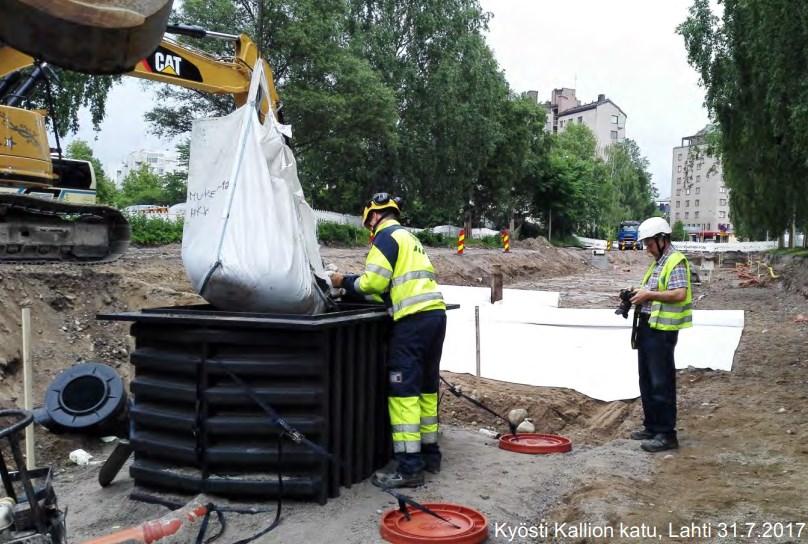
159 162
699 197
603 117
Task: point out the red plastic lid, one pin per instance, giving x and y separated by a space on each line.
424 528
535 443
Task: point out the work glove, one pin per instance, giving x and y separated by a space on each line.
334 292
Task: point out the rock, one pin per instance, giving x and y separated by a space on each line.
526 427
781 411
517 416
669 456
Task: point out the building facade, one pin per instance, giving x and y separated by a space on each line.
603 117
159 162
699 197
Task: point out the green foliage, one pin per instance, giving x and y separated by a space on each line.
679 233
751 60
106 192
406 97
793 251
175 187
433 239
567 240
342 235
154 231
490 242
142 186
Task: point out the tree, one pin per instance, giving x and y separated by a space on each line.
679 234
142 186
175 187
106 192
752 63
634 194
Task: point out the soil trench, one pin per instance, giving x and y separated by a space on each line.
743 434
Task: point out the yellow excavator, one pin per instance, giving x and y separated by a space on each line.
47 203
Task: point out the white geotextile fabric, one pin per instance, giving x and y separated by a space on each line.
250 239
583 349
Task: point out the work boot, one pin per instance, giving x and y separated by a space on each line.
393 480
432 465
431 455
660 442
641 434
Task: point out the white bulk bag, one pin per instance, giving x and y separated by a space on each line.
250 239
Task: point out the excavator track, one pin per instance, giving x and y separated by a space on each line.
34 230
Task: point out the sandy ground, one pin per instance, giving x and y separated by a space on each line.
743 458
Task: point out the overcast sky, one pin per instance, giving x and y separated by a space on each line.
625 49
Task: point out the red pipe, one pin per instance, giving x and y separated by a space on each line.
154 530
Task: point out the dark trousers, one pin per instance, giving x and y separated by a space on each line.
416 345
657 378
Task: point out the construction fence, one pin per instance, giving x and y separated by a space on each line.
692 247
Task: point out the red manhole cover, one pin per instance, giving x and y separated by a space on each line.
535 443
472 527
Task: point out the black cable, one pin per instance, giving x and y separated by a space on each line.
457 393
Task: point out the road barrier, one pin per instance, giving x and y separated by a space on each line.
506 241
461 242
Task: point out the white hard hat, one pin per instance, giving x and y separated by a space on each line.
651 227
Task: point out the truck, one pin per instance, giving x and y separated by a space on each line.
627 235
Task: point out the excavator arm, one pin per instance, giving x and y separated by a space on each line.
179 64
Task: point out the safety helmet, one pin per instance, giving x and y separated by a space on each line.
380 201
652 227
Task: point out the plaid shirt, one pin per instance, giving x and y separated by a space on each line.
677 280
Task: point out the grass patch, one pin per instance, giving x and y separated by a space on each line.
154 231
334 234
566 241
793 251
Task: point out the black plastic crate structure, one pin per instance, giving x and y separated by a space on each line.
195 429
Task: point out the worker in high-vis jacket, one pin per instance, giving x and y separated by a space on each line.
665 300
399 271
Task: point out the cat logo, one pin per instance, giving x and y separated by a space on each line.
167 64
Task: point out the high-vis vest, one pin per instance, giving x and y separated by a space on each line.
670 316
409 279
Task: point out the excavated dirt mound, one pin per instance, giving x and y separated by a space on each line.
474 267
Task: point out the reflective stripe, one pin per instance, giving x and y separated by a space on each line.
673 308
429 420
407 428
356 284
409 301
380 270
409 446
414 275
673 321
429 438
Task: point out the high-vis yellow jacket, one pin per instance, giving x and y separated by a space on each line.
398 269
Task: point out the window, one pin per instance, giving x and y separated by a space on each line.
580 119
152 160
699 165
678 203
722 214
561 124
614 135
677 215
722 189
687 216
696 215
698 190
698 179
678 192
687 203
687 191
678 181
697 203
679 157
615 119
679 168
723 201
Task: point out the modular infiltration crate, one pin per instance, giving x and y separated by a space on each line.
194 429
